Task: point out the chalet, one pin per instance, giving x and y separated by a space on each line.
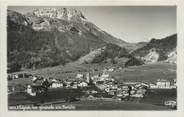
119 95
110 69
141 85
68 83
125 87
83 84
80 76
74 85
112 92
132 92
141 91
93 92
56 84
161 83
104 75
153 86
137 95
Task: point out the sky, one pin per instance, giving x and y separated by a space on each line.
129 23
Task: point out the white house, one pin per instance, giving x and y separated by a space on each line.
153 86
163 83
74 86
111 70
79 76
56 85
137 95
83 84
105 75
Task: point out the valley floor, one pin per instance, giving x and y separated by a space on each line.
56 97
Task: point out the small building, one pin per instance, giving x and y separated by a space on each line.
137 95
153 86
161 83
105 75
101 86
110 69
93 92
56 85
75 85
83 84
125 87
79 76
112 92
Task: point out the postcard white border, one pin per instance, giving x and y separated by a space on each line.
180 61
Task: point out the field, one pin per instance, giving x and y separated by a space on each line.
158 96
149 72
57 97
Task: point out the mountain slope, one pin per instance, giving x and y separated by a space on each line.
49 37
157 49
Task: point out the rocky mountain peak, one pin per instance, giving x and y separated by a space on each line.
69 14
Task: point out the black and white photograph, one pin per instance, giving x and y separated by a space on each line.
91 57
121 58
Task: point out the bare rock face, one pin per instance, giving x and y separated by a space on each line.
152 56
49 18
88 58
172 57
61 13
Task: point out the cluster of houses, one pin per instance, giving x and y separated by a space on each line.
18 76
128 89
120 90
37 83
163 84
104 82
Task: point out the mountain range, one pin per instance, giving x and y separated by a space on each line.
49 37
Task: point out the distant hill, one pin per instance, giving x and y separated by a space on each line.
157 49
50 37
